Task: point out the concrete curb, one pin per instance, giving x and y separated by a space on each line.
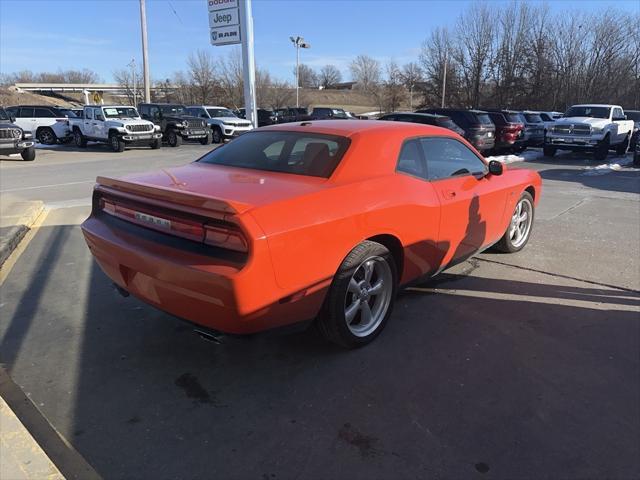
17 219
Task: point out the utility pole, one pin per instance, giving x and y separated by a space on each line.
444 77
145 55
248 62
298 43
132 64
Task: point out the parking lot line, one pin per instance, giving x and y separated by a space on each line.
7 190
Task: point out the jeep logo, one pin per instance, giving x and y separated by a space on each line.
224 19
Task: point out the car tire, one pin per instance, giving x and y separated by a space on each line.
156 144
623 148
173 139
352 315
519 230
548 151
46 136
216 135
206 140
79 139
602 150
28 154
116 143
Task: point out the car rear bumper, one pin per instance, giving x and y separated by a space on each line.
224 294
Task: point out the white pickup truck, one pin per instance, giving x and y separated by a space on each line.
117 125
597 128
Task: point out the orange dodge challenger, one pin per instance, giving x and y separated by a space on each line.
320 220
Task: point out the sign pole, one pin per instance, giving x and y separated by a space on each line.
248 62
145 54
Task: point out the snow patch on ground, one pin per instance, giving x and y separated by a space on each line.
526 156
606 168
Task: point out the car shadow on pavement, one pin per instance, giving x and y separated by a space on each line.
515 385
624 181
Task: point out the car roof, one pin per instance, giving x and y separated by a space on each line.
348 128
110 106
417 114
596 105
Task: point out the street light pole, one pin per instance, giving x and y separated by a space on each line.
133 78
444 77
145 55
299 43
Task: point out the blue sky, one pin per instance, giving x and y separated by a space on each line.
103 35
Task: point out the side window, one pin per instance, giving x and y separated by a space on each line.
88 113
410 159
154 112
12 111
617 113
391 118
97 113
26 112
448 158
43 113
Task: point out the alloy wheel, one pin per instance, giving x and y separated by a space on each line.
521 223
368 296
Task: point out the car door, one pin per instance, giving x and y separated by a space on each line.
472 201
423 253
26 120
99 127
87 122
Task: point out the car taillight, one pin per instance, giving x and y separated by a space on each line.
63 120
223 236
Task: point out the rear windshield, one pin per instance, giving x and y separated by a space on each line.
447 123
299 153
635 116
513 117
533 118
483 118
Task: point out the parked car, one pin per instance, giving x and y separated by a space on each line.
510 132
48 124
175 123
117 125
427 118
596 128
636 153
533 128
14 139
223 122
328 113
324 221
478 128
292 114
265 117
635 116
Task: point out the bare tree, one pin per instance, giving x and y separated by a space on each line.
308 76
202 75
131 82
329 76
410 75
474 48
366 71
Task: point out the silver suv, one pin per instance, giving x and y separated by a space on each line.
222 121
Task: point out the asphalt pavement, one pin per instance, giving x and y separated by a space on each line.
507 366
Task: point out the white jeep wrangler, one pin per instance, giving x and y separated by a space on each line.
597 128
116 125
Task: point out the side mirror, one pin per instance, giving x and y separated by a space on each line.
12 119
495 167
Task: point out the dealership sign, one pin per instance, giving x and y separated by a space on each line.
224 22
